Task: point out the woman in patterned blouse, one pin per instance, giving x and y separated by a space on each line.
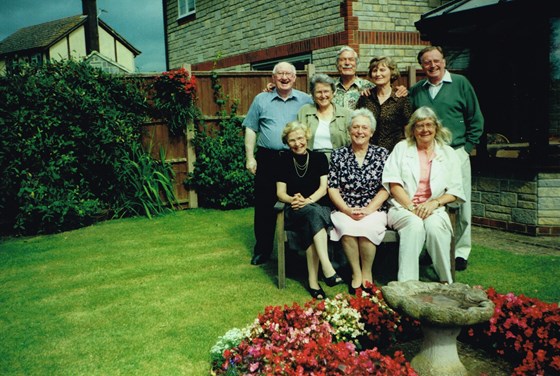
355 189
390 110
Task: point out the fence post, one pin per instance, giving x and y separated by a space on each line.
411 75
310 69
191 155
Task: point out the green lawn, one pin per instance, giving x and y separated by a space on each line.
150 297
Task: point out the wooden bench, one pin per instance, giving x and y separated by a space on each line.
391 236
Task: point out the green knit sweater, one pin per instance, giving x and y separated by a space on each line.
456 106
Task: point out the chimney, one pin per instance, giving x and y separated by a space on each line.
89 9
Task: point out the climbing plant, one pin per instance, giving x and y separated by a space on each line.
219 176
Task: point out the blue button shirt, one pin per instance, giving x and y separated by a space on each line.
269 113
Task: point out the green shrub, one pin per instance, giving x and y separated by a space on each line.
220 176
68 133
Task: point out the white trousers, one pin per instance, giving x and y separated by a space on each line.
435 232
464 215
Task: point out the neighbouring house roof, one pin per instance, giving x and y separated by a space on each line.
42 36
112 31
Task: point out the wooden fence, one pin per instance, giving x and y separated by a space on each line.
239 86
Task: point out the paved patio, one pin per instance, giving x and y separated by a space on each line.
518 243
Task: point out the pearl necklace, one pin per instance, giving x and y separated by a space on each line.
301 169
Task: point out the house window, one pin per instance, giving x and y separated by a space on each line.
299 62
186 7
36 59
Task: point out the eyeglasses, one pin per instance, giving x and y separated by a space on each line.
282 74
419 127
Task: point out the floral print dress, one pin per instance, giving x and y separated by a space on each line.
358 185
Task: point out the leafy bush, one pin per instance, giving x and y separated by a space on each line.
68 133
219 174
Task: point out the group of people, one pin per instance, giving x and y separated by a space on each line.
353 158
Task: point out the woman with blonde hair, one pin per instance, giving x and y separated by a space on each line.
423 175
302 185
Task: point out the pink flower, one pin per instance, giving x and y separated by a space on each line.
254 366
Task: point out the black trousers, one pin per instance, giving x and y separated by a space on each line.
265 198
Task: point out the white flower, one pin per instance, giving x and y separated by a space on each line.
344 320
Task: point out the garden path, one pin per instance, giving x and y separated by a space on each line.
517 243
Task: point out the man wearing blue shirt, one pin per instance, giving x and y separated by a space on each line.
265 120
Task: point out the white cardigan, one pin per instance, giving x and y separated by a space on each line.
403 167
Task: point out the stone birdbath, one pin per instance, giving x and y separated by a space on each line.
442 311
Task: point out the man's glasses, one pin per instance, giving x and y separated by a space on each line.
282 74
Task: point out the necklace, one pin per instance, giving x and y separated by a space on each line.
301 169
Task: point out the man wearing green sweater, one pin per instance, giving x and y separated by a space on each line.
453 99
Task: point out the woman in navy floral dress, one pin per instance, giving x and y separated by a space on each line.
355 188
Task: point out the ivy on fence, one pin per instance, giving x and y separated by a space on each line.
219 174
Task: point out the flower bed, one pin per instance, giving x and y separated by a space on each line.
351 335
524 331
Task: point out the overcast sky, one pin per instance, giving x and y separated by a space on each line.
140 22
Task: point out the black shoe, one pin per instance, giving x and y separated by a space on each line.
259 259
352 290
317 294
333 280
368 289
460 264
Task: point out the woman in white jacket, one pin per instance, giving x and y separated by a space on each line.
423 175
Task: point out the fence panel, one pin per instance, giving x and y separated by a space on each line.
175 151
240 86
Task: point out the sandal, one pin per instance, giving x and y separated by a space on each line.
317 294
333 280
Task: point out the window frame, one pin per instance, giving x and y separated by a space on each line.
186 5
299 61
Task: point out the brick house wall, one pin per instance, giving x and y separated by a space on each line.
242 33
528 205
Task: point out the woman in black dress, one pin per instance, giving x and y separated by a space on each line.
302 184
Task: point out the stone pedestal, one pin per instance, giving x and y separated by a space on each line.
438 355
442 311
